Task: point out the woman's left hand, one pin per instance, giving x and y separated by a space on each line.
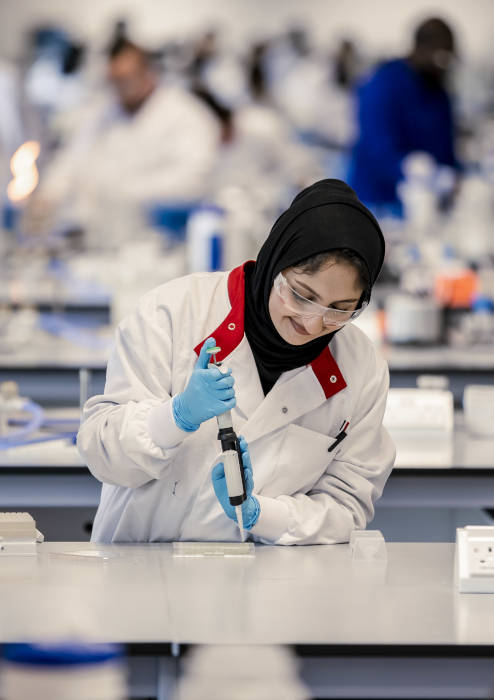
250 507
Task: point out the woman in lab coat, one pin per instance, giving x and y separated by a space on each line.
307 391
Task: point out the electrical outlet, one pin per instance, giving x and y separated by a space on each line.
481 556
475 559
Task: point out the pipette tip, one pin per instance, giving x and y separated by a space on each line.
240 520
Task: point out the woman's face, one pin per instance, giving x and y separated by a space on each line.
336 286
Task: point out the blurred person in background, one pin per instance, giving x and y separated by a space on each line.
296 78
259 125
205 56
217 67
51 67
263 154
11 123
142 142
312 88
333 113
216 75
53 75
347 64
403 108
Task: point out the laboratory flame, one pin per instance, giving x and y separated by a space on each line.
24 170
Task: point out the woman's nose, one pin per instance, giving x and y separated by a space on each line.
313 324
330 326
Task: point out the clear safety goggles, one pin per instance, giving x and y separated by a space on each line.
305 308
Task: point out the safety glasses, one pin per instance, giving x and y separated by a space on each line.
305 308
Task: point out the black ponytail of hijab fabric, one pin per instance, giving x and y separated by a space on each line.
325 216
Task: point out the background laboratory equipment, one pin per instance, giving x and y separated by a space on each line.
478 408
18 534
23 422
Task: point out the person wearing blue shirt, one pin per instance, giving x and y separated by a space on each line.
403 107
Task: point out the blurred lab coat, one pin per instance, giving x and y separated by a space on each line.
160 489
299 89
315 104
264 155
162 153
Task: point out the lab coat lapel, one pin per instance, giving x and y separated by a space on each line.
248 389
295 393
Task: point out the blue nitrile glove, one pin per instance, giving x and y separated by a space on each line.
250 507
209 393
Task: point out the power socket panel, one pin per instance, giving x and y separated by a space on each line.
474 565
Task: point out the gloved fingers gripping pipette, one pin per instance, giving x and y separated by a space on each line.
250 508
232 465
208 393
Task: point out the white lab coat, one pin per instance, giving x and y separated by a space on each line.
165 152
157 478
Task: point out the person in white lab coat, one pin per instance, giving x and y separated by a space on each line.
144 142
301 376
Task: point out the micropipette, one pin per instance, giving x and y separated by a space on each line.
232 454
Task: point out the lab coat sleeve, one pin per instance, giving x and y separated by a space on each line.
342 499
121 429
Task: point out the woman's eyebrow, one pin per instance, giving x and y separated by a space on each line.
340 301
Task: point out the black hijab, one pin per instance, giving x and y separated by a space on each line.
323 217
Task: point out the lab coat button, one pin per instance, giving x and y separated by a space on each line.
231 326
333 379
284 409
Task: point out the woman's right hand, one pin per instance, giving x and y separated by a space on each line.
208 393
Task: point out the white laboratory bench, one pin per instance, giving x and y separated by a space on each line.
362 628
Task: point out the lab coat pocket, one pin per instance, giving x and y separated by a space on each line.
302 459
